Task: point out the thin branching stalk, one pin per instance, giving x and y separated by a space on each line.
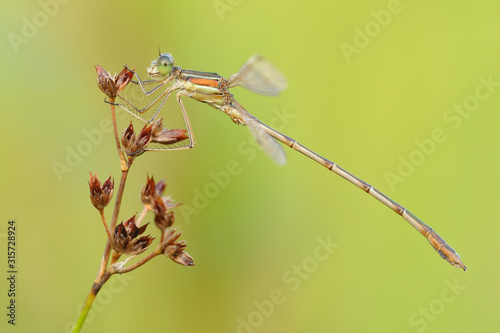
140 262
118 201
141 217
115 129
104 262
103 218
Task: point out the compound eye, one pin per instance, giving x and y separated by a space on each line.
165 63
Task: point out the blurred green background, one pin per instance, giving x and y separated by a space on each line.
369 82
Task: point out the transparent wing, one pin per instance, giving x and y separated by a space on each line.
259 76
144 106
266 142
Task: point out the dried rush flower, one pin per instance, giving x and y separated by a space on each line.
125 239
100 195
112 86
175 250
166 136
135 146
151 196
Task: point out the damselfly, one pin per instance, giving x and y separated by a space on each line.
259 76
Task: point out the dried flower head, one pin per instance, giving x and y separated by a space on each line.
151 196
166 136
112 86
160 187
125 241
128 136
143 138
152 190
100 195
148 193
175 250
164 218
133 145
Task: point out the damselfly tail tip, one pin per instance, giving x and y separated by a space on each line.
458 263
461 264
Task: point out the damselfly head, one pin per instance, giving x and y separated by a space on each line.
162 66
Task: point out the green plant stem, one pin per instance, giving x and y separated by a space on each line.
88 303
